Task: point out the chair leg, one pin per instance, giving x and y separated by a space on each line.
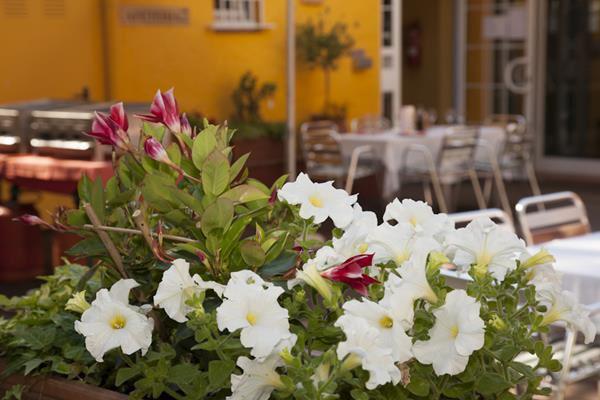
566 362
427 193
487 189
477 189
502 194
533 182
439 194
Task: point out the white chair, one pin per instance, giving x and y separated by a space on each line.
517 154
454 164
324 159
500 217
552 216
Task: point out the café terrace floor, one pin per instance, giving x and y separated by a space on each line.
589 192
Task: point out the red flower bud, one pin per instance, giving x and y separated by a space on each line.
117 114
186 128
31 220
350 273
106 131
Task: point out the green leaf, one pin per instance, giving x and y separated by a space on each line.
491 383
358 394
215 173
244 193
252 253
125 374
204 144
232 235
84 189
174 153
219 373
237 166
77 217
280 265
87 248
217 216
32 364
97 199
418 386
157 131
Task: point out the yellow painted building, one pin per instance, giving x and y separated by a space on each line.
61 46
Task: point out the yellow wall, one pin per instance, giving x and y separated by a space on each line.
48 53
205 65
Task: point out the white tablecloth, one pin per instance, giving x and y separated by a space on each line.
390 145
578 259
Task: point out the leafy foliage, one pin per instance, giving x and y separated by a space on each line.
248 96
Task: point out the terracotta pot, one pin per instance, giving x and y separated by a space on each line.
53 388
266 162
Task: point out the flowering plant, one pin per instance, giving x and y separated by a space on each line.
204 283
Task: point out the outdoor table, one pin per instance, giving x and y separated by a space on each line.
53 174
389 146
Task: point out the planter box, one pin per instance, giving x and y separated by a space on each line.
51 388
266 162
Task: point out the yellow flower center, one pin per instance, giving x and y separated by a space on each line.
362 248
316 201
386 322
118 322
251 318
413 221
454 331
401 257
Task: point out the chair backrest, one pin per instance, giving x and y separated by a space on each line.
500 217
370 124
552 216
458 149
519 142
319 146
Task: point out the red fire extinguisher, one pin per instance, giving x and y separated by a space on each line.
412 45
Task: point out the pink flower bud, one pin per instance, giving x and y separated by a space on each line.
156 151
350 273
106 131
186 128
117 114
31 220
164 110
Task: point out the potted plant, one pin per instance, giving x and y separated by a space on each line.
322 47
207 284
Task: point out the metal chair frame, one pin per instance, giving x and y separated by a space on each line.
554 221
461 142
495 214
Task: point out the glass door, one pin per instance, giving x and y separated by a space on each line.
496 58
390 58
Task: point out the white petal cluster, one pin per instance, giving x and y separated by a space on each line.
563 306
457 332
111 322
258 380
251 305
177 287
363 346
486 247
419 215
319 200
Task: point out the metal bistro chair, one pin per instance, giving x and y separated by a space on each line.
454 164
370 124
324 159
552 216
500 217
517 155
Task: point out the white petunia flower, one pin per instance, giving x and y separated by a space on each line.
487 247
258 380
353 242
254 309
457 332
361 348
420 217
111 322
396 243
540 270
389 324
319 200
177 287
563 306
